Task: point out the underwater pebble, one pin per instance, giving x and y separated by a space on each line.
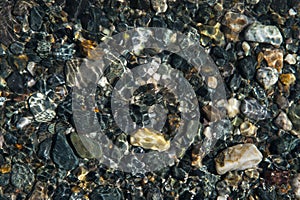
238 157
235 22
290 59
263 34
248 129
253 109
106 193
287 79
246 67
296 185
42 107
149 139
160 6
282 121
62 153
267 76
233 107
274 58
22 176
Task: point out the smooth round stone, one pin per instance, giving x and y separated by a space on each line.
80 148
263 34
282 121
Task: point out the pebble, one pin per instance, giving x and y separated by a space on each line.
252 109
282 121
263 34
22 176
106 193
160 6
36 18
294 115
213 32
16 82
267 76
16 48
274 58
233 107
79 146
238 157
44 149
248 129
63 154
149 139
235 22
246 67
287 79
42 107
290 59
212 82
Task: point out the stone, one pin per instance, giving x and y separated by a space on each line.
294 115
42 107
274 58
16 48
79 147
212 82
267 76
63 154
235 22
287 79
106 193
22 176
246 67
248 129
238 157
282 121
160 6
252 109
213 32
36 18
233 107
290 59
16 82
44 149
260 33
149 139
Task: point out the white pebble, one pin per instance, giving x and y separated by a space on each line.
290 59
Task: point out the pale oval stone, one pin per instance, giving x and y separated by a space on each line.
233 107
282 121
248 129
160 6
212 82
149 139
291 59
238 157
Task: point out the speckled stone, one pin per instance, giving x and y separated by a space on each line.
263 34
274 58
267 76
235 22
62 153
22 176
252 109
233 107
238 157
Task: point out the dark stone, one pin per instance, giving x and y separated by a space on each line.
4 179
280 6
22 176
266 194
158 21
62 153
62 192
140 4
16 48
44 149
235 82
154 194
185 195
284 144
246 67
16 82
36 18
106 193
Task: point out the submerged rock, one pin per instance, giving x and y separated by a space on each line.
263 34
238 157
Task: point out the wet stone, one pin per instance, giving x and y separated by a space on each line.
36 18
282 121
274 58
42 107
22 176
106 193
79 147
62 153
233 107
238 157
267 76
246 67
263 34
44 149
252 109
160 6
16 82
16 48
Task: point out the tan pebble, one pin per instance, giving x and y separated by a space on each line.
248 129
233 107
274 58
238 157
212 82
282 121
213 32
246 47
287 79
149 139
236 22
